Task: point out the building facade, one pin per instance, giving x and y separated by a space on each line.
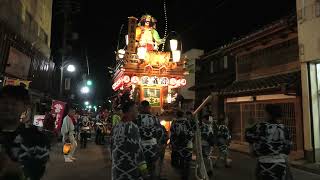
267 72
214 71
308 17
189 95
25 31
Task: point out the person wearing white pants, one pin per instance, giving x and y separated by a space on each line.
68 133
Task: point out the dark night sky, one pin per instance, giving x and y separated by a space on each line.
203 24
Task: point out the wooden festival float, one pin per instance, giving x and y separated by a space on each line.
144 72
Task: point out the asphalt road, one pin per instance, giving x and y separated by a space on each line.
94 163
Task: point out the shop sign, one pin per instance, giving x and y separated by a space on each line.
16 82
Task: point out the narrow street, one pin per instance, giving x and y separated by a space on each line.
94 163
91 163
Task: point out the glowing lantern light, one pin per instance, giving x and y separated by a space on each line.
169 98
142 51
176 55
173 81
121 53
127 39
173 44
163 122
126 79
183 82
134 79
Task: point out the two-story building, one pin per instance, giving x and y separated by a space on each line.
188 94
308 17
25 36
267 72
214 71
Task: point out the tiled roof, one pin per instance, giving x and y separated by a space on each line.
277 23
262 84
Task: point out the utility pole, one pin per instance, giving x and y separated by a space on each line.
88 67
68 8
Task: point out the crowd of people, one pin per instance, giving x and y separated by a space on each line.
138 141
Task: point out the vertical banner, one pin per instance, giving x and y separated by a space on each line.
38 120
58 108
132 24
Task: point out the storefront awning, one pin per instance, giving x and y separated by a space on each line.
280 82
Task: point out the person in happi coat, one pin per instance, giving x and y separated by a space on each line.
151 133
223 138
24 150
84 131
181 141
128 161
207 137
270 142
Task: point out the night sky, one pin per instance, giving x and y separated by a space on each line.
204 24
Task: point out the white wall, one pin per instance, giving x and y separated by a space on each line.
308 18
191 55
308 29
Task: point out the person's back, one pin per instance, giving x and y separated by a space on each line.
181 133
150 133
127 153
207 138
269 139
181 140
206 132
271 143
125 138
115 119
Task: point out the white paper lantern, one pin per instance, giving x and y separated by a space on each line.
142 51
173 44
176 55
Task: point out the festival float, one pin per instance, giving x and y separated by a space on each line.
144 71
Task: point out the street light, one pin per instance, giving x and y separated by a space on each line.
86 103
85 90
70 68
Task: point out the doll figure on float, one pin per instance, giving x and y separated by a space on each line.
146 33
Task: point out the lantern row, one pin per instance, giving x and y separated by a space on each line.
146 80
